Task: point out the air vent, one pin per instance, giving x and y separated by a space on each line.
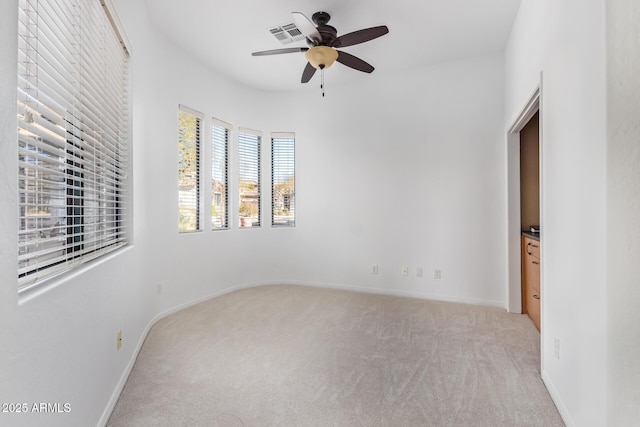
293 31
287 33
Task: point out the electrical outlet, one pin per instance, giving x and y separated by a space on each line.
437 273
405 270
556 348
419 272
374 269
119 345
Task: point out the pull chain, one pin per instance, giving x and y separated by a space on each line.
322 81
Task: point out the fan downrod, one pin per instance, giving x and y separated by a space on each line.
321 18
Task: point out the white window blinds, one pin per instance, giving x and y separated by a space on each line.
219 174
283 180
189 124
249 178
72 136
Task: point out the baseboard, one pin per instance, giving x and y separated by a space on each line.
104 419
557 400
400 293
125 375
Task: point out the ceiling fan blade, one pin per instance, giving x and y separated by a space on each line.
361 36
354 62
280 51
308 72
306 26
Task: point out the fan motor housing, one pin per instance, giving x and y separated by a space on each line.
329 34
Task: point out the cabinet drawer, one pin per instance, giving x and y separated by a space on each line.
532 304
532 248
532 272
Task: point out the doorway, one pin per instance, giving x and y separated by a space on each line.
530 218
519 214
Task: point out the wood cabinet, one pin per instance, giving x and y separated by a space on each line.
531 279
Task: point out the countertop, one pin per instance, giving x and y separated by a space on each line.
534 236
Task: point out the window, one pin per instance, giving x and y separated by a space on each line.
249 177
72 136
283 180
189 123
219 172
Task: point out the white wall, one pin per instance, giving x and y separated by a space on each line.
403 169
566 42
623 186
59 347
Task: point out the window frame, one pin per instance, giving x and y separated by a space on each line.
223 174
73 126
244 136
197 170
283 160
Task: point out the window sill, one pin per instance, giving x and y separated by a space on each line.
35 290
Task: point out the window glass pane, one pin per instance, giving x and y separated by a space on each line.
219 169
188 172
283 175
249 179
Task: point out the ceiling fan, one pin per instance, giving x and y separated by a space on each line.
323 40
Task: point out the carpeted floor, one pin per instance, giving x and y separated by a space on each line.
304 356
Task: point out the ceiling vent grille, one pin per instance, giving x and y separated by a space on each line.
287 33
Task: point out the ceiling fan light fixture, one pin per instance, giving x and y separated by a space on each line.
321 57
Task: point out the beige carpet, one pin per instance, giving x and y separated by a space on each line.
304 356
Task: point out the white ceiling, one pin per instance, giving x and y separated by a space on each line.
222 34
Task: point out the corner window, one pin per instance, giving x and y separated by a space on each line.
219 175
189 124
249 178
283 180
